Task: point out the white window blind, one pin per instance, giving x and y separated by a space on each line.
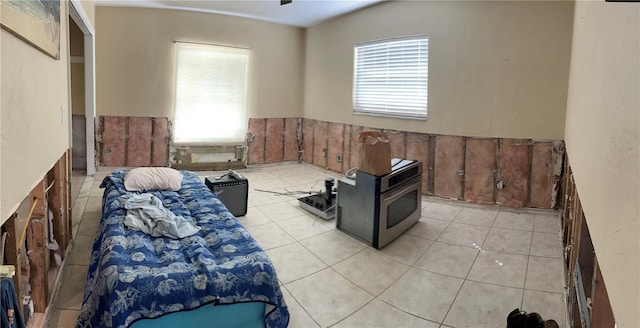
390 77
211 94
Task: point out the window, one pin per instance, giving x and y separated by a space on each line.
390 77
211 94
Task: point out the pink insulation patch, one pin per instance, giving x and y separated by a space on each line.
139 142
480 165
113 140
448 166
274 146
397 143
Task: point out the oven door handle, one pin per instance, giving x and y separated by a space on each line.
392 196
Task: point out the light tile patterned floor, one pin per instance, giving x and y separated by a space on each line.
460 266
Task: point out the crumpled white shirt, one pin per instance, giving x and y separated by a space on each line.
145 212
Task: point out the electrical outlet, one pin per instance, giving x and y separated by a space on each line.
63 113
339 157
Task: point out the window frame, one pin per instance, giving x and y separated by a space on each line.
391 109
211 141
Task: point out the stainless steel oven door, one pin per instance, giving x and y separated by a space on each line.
400 209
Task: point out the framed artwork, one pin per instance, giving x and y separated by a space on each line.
37 22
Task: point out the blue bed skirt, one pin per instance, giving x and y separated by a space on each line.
246 315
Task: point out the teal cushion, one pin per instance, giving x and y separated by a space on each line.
245 315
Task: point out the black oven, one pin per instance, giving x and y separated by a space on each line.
378 209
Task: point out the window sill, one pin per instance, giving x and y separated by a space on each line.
403 117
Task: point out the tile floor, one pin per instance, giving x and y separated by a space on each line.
461 265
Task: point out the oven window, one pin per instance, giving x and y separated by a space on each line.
402 208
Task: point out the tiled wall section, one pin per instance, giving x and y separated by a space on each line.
454 167
133 141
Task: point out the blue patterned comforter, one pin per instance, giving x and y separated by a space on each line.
133 275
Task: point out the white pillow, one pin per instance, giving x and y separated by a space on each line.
153 178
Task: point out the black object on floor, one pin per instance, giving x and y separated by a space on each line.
232 190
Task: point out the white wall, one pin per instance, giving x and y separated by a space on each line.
602 139
496 68
135 59
34 133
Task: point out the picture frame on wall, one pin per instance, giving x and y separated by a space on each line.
37 22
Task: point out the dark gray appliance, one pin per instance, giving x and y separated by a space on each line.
378 209
232 190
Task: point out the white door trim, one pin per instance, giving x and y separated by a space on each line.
79 16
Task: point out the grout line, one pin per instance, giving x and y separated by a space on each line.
466 278
526 272
494 284
409 313
302 307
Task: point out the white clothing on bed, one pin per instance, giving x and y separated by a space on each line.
145 212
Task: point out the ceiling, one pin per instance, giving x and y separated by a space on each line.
301 13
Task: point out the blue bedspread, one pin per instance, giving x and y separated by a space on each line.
133 275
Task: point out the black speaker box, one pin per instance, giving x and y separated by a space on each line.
232 192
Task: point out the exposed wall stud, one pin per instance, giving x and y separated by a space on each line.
37 249
432 161
479 171
274 140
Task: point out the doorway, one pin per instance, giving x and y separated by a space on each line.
78 118
82 89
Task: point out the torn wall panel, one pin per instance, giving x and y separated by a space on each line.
160 141
335 146
320 143
418 149
346 148
291 144
480 171
448 166
139 141
354 156
307 140
513 170
397 141
113 140
546 168
274 140
256 140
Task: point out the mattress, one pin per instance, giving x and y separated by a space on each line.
134 276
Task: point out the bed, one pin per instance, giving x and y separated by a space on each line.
218 277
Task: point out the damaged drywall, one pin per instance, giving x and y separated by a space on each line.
132 141
507 172
503 171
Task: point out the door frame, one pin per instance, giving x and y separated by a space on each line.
80 17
